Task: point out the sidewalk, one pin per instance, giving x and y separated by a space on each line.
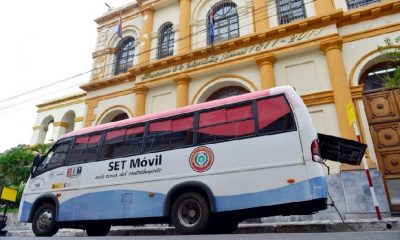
387 224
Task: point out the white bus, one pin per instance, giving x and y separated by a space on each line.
202 168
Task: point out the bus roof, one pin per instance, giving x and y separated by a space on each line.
288 90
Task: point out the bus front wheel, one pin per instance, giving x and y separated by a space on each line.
44 221
190 213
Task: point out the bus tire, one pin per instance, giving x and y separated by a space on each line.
44 221
98 230
190 213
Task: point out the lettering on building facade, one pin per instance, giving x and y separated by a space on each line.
259 47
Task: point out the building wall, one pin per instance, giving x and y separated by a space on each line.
295 52
65 114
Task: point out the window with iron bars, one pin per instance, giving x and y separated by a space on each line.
290 10
124 55
226 22
351 4
165 41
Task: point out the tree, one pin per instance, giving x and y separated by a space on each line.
391 50
15 164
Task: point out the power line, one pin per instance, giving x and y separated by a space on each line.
270 7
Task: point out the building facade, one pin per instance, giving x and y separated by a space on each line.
155 55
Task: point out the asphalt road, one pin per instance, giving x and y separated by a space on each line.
381 235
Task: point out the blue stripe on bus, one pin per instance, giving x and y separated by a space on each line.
26 209
112 205
302 191
137 204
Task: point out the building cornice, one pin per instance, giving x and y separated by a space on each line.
115 80
318 98
369 12
61 102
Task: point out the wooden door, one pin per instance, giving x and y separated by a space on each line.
382 108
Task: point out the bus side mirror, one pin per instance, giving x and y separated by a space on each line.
37 160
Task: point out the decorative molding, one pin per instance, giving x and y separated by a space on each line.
112 95
267 59
369 12
79 119
61 100
60 124
182 79
356 91
331 44
140 89
103 52
115 80
371 32
319 98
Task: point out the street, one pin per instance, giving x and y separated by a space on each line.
376 235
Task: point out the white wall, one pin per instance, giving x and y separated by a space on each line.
161 98
307 72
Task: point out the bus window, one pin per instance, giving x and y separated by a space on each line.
56 157
274 115
85 149
123 142
169 134
226 124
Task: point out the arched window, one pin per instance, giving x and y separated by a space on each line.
120 117
227 92
226 22
124 55
373 77
290 10
165 41
351 4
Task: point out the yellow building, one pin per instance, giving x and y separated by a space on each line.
167 57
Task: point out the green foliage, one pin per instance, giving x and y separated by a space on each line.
391 50
15 164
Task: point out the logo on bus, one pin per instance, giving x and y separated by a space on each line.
74 171
201 159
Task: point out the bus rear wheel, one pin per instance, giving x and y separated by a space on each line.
190 213
44 221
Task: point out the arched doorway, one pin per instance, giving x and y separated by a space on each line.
373 77
116 114
227 92
69 119
120 117
45 134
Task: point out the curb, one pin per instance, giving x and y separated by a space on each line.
283 227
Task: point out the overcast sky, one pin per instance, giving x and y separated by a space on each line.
42 42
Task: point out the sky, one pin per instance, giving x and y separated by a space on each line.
43 42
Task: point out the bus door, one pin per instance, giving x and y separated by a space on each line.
82 158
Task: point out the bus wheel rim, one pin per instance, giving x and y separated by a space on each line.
189 213
45 219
